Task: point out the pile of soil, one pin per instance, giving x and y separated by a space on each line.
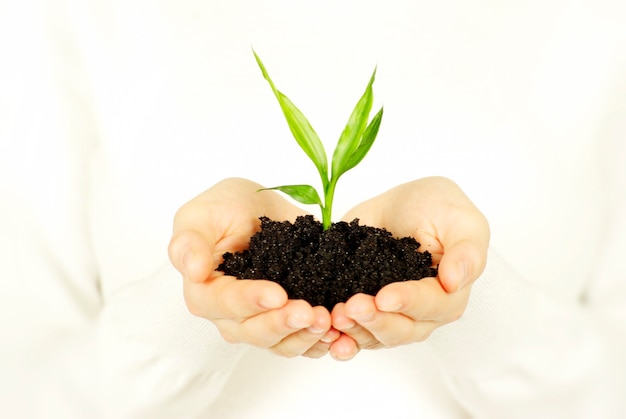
328 267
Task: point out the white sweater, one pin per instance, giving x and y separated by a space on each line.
115 113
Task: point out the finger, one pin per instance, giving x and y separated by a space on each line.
192 255
322 347
201 237
462 263
387 329
363 338
340 321
423 300
440 216
222 219
225 297
303 340
393 330
344 348
331 336
267 329
318 350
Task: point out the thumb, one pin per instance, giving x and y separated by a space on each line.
192 255
461 264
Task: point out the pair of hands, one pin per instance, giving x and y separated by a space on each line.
433 210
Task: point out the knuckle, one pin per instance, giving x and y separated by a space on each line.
174 250
423 334
393 341
283 352
195 311
316 352
456 315
230 338
376 345
182 212
263 343
193 308
370 344
264 339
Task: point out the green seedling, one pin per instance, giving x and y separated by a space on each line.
353 144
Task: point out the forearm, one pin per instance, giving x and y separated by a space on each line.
161 357
146 356
518 353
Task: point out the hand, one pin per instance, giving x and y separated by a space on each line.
256 312
440 216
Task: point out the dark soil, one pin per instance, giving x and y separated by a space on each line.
328 267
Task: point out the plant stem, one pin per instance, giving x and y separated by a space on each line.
327 210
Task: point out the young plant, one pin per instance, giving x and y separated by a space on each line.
353 144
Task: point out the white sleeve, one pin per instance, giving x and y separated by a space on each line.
520 353
65 350
155 361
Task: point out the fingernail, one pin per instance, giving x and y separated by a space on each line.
332 335
187 261
315 330
327 339
463 273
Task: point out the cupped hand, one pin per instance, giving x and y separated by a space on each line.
256 312
442 218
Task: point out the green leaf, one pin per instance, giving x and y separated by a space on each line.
351 136
300 127
369 135
305 194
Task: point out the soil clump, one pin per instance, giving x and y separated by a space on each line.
328 267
